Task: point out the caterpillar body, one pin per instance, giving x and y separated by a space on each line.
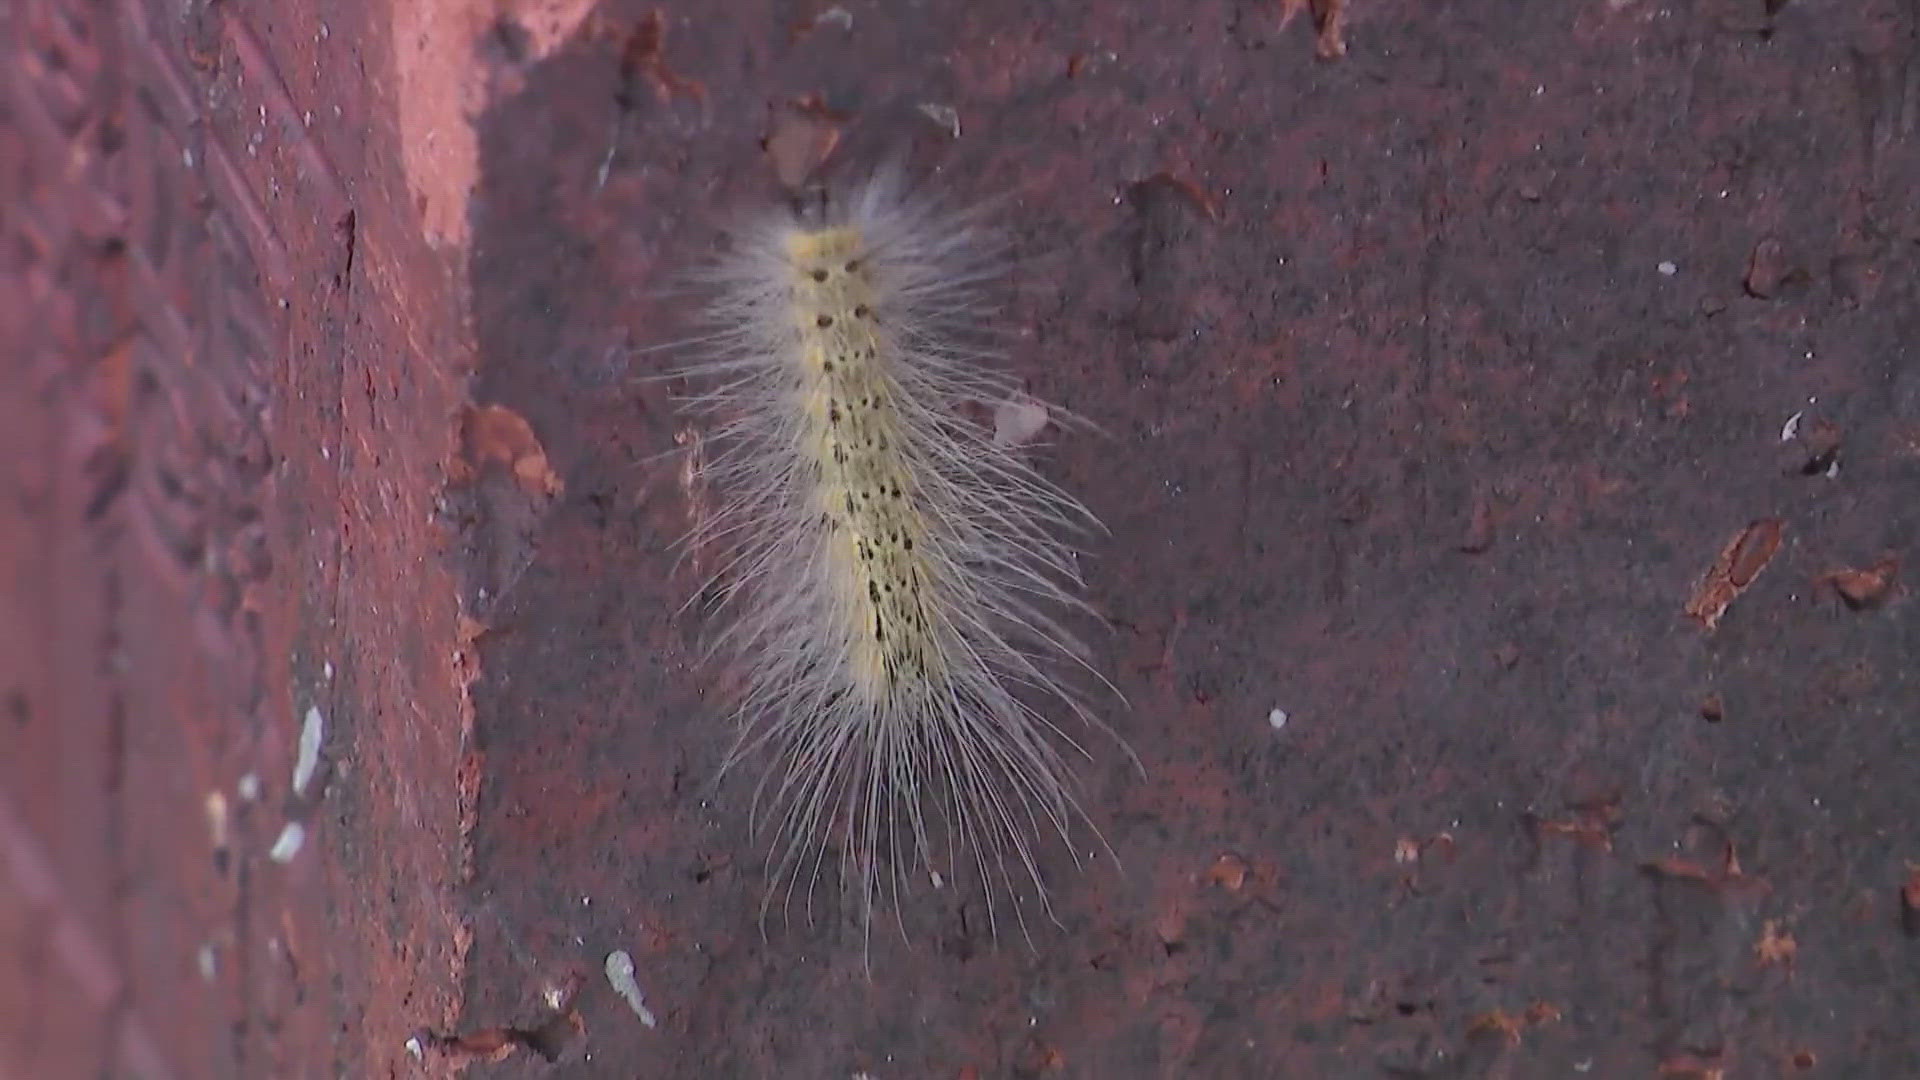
891 577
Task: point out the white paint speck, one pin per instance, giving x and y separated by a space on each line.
1277 719
415 1050
835 16
620 974
326 670
287 845
313 730
208 962
1792 427
249 787
1667 268
555 997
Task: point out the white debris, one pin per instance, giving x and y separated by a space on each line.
944 115
1277 719
1018 419
835 16
415 1050
249 787
217 819
307 761
208 962
620 974
1792 427
287 845
1667 268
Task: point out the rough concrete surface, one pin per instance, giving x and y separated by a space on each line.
1510 442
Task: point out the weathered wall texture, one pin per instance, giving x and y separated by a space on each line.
1522 403
234 370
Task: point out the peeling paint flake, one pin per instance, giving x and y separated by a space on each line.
1738 564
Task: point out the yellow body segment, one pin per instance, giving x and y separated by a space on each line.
852 435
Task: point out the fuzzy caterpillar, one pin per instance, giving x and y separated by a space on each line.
893 576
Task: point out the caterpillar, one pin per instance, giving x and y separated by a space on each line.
890 579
